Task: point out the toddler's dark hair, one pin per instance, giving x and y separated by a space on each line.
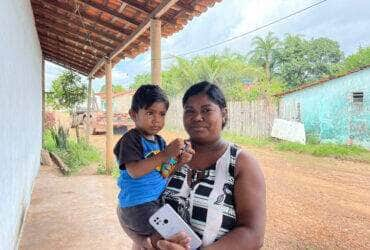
146 95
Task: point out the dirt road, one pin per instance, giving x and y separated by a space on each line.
312 203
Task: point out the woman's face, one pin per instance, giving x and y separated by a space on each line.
203 119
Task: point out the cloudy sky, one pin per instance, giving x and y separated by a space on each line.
346 21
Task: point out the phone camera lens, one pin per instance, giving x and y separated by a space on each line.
165 221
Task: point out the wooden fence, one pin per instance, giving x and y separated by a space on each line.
253 119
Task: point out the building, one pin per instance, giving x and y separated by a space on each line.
21 75
121 101
335 110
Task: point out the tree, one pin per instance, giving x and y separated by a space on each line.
67 91
227 70
141 79
359 59
299 60
264 52
116 88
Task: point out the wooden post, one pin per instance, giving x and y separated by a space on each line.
155 45
109 163
87 119
43 95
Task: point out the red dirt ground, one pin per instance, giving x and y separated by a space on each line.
312 203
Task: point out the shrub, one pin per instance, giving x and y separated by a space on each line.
74 154
79 154
60 137
49 142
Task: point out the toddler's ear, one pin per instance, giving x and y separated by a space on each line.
132 114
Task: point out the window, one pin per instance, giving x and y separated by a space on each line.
358 97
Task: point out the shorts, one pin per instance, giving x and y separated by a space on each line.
136 218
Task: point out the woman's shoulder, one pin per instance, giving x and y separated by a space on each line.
244 160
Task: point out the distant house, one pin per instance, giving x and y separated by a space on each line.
336 110
121 101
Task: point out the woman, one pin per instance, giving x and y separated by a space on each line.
221 191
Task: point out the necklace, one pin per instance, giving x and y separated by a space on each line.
195 176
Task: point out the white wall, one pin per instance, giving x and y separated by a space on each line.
20 115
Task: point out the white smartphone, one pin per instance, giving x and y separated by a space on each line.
168 223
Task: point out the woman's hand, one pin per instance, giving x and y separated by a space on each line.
186 154
174 148
179 241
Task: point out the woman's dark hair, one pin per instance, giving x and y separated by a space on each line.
146 95
212 91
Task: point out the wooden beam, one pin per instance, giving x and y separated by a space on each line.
72 38
55 61
72 22
72 31
45 41
143 9
162 8
120 10
155 44
111 12
72 60
157 13
109 163
69 53
66 62
69 44
92 19
137 7
87 122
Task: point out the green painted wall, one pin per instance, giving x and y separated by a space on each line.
329 111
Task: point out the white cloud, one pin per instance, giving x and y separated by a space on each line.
118 75
345 21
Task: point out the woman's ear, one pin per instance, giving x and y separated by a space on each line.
224 116
132 114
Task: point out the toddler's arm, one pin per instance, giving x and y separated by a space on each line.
137 169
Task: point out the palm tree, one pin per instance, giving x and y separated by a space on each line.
263 53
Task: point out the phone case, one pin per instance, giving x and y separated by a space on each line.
168 223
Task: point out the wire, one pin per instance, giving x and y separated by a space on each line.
246 33
88 34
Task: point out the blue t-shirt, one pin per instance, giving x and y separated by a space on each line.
133 147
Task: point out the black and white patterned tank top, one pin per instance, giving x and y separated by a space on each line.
206 204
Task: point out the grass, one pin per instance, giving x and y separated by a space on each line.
103 171
313 147
76 154
245 140
327 150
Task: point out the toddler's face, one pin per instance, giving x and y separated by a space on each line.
151 120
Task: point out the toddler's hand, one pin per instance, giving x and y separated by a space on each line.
186 154
174 148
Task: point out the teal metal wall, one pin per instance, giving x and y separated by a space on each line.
329 111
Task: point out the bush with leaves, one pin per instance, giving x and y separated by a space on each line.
74 154
67 91
60 136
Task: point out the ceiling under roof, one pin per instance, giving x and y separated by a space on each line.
80 34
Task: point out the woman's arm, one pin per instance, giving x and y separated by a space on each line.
250 207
